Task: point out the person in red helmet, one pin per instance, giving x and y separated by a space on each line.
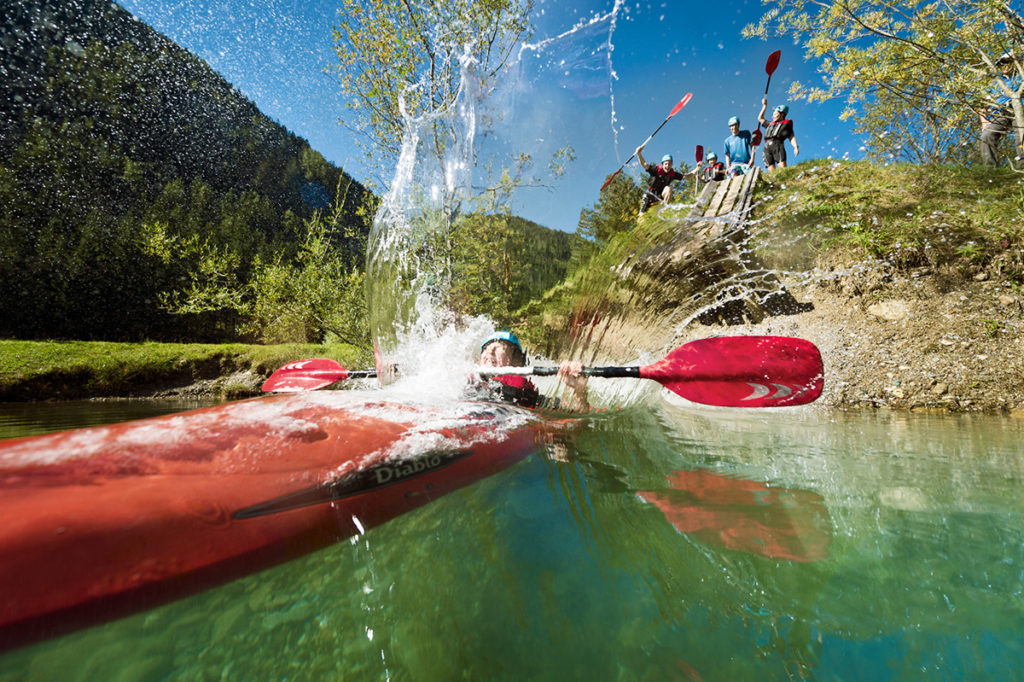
502 349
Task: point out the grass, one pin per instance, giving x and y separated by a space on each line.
911 216
73 369
823 213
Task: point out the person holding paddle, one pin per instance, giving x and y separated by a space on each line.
776 132
713 168
739 156
662 177
502 349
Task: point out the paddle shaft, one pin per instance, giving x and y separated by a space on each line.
682 103
728 371
607 372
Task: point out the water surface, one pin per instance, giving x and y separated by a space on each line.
660 542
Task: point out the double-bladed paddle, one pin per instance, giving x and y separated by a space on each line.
769 68
729 371
311 374
675 110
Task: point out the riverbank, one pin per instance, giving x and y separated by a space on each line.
68 370
894 341
909 279
916 276
912 281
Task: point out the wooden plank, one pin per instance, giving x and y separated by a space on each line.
747 194
735 185
712 209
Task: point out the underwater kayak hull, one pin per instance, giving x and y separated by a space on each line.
106 521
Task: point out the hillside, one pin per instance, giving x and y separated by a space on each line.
107 127
911 281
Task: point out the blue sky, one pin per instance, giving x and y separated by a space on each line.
275 52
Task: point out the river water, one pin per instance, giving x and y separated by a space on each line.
663 541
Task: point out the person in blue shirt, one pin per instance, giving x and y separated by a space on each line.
739 157
997 120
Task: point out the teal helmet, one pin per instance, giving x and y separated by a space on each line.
712 155
502 336
667 157
782 109
735 120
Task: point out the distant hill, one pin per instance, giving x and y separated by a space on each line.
106 126
501 262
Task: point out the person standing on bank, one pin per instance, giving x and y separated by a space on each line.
739 156
662 177
776 132
998 119
713 168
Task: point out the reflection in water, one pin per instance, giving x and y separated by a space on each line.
746 516
26 419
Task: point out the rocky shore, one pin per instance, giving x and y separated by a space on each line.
905 340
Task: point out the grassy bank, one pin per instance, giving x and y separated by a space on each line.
54 370
962 220
952 223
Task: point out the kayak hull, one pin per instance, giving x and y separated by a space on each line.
107 521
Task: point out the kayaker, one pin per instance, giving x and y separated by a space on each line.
502 349
776 132
713 168
739 157
662 177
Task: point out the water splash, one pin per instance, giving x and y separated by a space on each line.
410 249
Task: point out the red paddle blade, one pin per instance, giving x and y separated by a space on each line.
773 62
755 139
305 375
742 371
609 180
699 153
682 103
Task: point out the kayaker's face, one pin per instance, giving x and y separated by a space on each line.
734 128
497 354
777 116
667 165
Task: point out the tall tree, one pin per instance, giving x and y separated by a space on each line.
615 211
916 74
397 55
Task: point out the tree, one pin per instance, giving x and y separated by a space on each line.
397 56
614 212
313 295
915 74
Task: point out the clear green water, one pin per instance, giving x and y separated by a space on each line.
817 545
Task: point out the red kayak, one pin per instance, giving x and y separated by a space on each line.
105 521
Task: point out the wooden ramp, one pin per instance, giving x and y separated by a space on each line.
708 268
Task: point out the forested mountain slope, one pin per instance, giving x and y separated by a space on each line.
107 128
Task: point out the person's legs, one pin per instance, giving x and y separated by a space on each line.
666 194
774 154
991 135
645 203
